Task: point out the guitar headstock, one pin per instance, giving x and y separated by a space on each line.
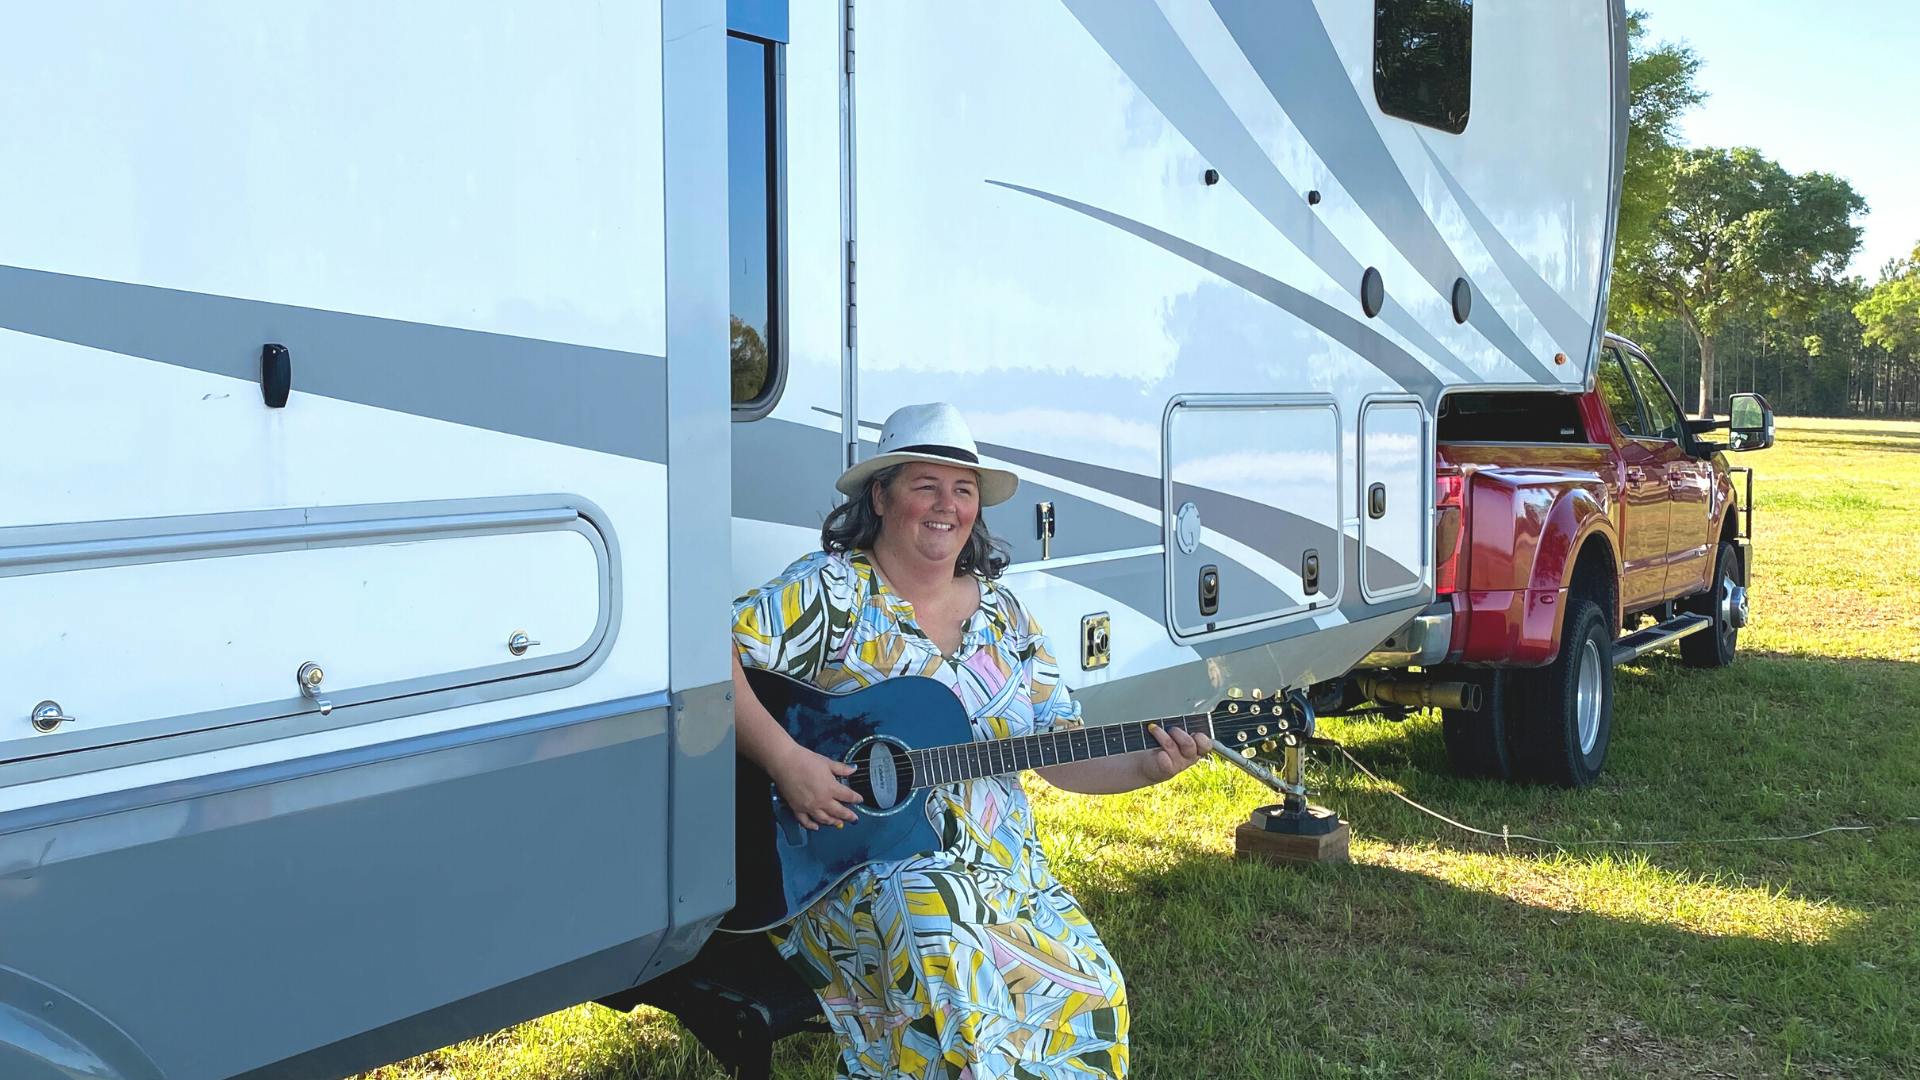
1258 723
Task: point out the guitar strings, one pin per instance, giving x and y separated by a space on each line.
1186 723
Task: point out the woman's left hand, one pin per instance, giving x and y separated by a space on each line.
1177 751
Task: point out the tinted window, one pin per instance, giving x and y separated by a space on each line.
1663 416
1617 392
1423 60
753 230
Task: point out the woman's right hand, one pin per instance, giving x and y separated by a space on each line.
810 784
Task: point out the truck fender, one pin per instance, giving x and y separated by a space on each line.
1577 517
47 1035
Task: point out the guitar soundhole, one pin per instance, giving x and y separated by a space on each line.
885 776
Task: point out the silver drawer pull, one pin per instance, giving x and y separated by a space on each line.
519 643
49 715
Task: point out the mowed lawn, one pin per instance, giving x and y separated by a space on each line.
1439 953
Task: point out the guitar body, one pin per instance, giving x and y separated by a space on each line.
783 867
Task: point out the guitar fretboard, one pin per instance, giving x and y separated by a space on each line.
970 761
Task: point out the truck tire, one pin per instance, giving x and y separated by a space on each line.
1477 744
1561 715
1714 646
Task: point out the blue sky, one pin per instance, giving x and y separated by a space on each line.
1833 87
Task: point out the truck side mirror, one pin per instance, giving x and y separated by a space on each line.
1750 422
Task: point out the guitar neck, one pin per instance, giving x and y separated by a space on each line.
938 765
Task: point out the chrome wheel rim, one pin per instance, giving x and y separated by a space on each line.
1587 696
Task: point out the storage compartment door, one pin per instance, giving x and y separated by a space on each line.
144 629
1394 492
1252 510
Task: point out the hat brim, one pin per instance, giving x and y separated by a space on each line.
996 485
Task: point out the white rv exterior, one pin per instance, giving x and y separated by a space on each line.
1025 226
493 245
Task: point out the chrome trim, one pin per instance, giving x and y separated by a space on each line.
1088 559
1423 642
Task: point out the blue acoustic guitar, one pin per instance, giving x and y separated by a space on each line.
903 736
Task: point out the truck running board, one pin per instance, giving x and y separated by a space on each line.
1642 641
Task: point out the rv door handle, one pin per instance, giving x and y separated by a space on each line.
49 715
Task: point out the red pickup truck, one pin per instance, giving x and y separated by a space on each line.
1562 522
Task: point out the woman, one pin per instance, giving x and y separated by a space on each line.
971 961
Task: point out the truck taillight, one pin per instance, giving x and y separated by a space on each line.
1449 499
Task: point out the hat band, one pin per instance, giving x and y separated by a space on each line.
937 450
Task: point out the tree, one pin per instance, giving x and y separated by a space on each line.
1659 89
1741 232
1890 319
749 351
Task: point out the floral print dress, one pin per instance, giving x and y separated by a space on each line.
972 962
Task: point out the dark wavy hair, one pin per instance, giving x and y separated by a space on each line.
853 524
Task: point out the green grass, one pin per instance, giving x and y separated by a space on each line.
1439 953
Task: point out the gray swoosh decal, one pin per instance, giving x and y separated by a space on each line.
1390 359
1565 324
800 492
575 395
1137 36
1305 75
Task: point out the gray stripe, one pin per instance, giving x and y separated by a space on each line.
799 492
1305 75
1390 359
806 454
1564 323
279 772
1139 39
1135 582
576 395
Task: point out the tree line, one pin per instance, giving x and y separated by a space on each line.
1729 269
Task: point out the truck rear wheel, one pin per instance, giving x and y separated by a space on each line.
1562 714
1714 646
1477 741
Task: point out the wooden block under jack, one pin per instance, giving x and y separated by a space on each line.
1318 836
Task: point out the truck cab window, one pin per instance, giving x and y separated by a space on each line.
1423 61
1663 414
1617 391
754 225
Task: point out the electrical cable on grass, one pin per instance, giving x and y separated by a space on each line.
1506 836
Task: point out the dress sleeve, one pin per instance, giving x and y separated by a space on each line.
1053 705
791 624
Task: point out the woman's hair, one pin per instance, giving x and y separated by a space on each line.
853 524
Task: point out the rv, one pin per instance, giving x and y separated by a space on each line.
395 396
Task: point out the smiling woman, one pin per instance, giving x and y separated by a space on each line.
971 957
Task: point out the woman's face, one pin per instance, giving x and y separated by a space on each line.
929 510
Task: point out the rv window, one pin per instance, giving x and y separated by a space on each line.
754 227
1423 61
1617 392
1511 416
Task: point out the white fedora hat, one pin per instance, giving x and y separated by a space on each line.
934 432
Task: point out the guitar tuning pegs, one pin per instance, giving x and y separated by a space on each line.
1269 746
1262 729
1249 753
1242 737
1233 707
1233 692
1254 708
1256 692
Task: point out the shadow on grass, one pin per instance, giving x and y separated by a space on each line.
1909 434
1773 746
1903 445
1375 970
1238 969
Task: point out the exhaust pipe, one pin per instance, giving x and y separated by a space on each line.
1422 693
